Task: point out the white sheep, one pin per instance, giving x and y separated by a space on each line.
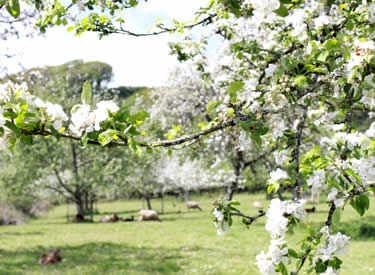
193 205
148 215
257 205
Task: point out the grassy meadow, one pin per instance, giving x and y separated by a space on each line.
185 242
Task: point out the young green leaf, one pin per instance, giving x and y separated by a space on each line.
107 136
212 106
234 88
360 204
13 8
86 93
282 11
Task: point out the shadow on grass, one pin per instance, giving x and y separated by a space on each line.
358 229
125 212
362 229
96 258
4 234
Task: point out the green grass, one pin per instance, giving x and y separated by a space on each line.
184 243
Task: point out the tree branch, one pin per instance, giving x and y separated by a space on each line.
250 219
121 30
295 154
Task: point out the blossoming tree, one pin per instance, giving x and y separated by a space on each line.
310 58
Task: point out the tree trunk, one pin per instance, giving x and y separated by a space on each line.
80 207
148 200
238 165
230 190
86 201
162 203
187 195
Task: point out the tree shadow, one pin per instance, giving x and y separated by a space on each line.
6 233
362 229
357 229
125 212
107 258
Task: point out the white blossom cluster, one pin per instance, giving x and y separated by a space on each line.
277 175
335 197
18 99
281 157
336 245
11 93
317 180
277 216
85 120
220 223
277 253
277 225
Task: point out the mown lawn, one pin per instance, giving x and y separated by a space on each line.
185 242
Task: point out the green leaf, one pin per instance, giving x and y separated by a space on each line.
212 106
13 8
332 45
323 56
257 139
292 253
349 25
139 150
270 188
320 267
301 81
84 139
282 268
170 152
234 88
27 139
282 11
10 115
360 204
86 93
140 117
13 127
353 174
55 133
335 263
133 3
107 136
353 73
122 115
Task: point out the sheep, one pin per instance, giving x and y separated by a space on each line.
257 205
79 218
148 215
193 205
131 219
51 257
112 218
310 210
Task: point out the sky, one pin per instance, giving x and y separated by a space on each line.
135 61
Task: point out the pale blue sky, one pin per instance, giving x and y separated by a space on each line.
135 61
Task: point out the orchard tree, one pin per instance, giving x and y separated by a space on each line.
310 58
186 174
188 94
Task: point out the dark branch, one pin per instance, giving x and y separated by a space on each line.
295 155
250 219
121 30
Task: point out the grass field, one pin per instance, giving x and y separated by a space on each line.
184 243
